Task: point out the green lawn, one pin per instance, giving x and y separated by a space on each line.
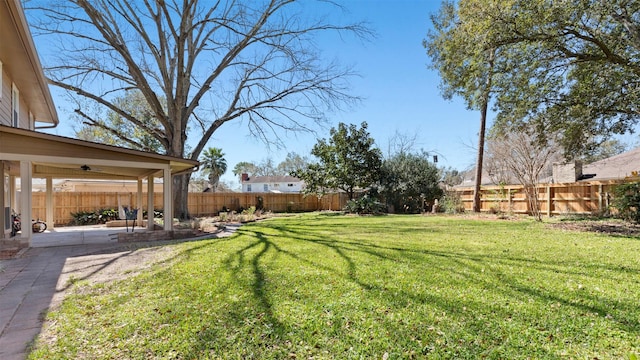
326 286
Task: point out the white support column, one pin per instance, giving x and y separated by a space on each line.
150 209
167 196
49 204
25 200
13 192
139 202
2 204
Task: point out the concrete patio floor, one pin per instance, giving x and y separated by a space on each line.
79 235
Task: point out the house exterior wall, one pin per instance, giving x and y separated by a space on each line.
21 79
284 187
23 115
24 120
5 100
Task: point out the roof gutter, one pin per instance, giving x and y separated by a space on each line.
187 171
45 126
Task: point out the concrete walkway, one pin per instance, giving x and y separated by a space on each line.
29 285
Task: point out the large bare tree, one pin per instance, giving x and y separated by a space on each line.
211 61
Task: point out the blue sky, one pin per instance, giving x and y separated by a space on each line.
400 92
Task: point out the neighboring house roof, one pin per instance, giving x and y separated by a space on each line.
616 167
613 168
20 59
271 179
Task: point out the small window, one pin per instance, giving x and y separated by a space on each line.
290 185
249 188
266 187
276 185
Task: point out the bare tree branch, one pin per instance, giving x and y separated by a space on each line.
257 62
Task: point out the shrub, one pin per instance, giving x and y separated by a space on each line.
157 214
365 205
451 203
84 218
627 201
100 216
107 215
250 211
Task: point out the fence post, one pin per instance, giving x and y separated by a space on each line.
549 197
600 209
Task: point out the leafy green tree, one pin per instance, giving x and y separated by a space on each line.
199 65
409 182
315 180
265 167
348 160
213 164
244 167
605 149
557 67
463 48
567 67
575 71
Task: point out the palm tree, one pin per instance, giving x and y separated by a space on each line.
214 164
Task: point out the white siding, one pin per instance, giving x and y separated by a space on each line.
15 106
5 100
285 187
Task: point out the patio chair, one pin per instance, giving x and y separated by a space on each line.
130 214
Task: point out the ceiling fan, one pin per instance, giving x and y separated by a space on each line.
87 168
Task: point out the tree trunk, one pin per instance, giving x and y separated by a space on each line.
532 193
483 123
181 196
479 160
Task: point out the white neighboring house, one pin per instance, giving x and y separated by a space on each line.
272 184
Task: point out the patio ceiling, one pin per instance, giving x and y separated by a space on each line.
66 158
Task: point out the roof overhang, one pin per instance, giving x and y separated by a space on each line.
61 157
20 60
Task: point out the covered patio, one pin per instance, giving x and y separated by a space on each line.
26 154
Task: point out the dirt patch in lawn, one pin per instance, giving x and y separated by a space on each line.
596 225
610 227
126 260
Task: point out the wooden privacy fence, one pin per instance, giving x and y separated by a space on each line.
554 199
200 204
